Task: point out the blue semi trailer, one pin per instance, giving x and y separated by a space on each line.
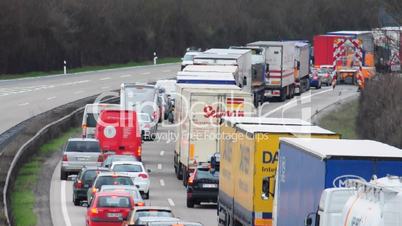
308 166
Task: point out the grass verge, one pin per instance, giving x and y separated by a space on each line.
23 196
342 120
88 68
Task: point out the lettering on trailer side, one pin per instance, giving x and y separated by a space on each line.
340 182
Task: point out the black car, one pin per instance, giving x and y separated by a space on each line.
84 181
203 186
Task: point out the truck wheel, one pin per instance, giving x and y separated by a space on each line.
292 91
63 175
190 203
282 95
184 176
146 195
179 174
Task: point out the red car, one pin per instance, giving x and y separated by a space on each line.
118 132
109 208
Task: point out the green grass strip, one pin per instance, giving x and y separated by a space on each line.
89 68
342 120
23 197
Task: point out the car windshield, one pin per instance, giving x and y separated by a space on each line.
139 95
188 57
114 202
83 146
90 175
173 224
324 70
135 193
207 174
152 213
144 118
113 180
127 168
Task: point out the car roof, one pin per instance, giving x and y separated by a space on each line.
118 174
128 163
153 208
95 168
83 139
175 222
120 156
158 219
117 187
113 193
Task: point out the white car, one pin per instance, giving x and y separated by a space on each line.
148 129
137 172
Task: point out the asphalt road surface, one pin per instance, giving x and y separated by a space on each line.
166 190
23 98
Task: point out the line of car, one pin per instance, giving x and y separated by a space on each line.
105 164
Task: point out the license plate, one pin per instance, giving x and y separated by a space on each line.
209 185
82 159
114 215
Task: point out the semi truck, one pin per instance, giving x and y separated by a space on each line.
374 203
199 108
307 166
249 156
249 76
279 76
302 66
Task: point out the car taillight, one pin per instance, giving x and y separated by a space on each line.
94 210
78 184
65 159
147 126
315 77
94 190
100 158
191 179
326 75
139 151
140 204
143 175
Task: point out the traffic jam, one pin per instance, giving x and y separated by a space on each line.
260 171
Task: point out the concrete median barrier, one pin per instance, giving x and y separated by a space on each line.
20 143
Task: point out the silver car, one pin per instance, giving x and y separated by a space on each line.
326 75
148 129
80 152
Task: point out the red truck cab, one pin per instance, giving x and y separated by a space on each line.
118 133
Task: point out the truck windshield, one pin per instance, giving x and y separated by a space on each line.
188 57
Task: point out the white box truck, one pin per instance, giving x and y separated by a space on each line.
199 108
302 66
247 77
279 58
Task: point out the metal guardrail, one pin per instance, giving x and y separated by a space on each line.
29 148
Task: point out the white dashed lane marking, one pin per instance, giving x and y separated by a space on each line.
171 203
23 104
51 98
162 182
106 78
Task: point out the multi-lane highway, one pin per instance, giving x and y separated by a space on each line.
166 190
23 98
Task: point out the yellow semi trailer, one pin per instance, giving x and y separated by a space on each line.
249 157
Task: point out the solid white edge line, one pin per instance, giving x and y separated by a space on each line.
293 102
162 182
170 201
64 204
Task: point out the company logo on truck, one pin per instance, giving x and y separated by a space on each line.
340 181
234 108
